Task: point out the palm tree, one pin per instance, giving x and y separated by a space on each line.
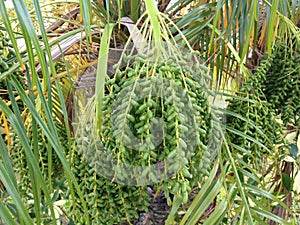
229 38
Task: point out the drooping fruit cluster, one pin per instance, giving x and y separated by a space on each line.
251 119
18 157
159 114
282 82
157 130
108 202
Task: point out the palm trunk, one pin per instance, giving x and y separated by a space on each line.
158 210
